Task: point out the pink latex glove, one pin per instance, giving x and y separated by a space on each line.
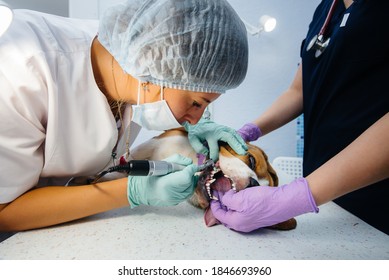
258 207
249 132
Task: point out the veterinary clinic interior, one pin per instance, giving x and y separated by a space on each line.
179 232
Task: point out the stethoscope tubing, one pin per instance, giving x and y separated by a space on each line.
317 42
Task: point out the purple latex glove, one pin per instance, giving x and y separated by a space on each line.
258 207
250 132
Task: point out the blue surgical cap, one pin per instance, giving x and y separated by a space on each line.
196 45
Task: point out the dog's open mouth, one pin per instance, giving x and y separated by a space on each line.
213 178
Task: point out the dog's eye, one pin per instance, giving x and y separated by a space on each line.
252 163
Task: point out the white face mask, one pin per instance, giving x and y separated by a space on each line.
154 116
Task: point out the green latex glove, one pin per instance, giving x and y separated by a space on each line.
207 132
167 190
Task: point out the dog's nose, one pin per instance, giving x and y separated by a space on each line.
252 183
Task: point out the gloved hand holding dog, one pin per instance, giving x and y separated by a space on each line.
263 206
205 135
167 190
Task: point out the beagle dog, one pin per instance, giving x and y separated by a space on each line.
231 171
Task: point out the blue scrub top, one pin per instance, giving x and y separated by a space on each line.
345 91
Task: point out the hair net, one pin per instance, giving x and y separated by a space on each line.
197 45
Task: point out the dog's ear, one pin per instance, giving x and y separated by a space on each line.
273 174
270 169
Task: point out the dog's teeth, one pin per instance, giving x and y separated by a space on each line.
197 173
211 181
214 198
226 176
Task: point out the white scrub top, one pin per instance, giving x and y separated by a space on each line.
54 120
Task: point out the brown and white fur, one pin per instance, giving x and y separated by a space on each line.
239 171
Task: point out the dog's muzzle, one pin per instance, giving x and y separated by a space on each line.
211 177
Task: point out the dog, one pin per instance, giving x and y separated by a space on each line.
231 171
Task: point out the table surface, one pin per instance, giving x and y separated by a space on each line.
179 233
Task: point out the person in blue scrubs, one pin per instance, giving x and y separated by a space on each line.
341 88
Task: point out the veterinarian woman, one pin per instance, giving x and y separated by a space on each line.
67 97
342 91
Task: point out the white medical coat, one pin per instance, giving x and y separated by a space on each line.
54 120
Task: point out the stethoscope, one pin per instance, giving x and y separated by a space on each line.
318 43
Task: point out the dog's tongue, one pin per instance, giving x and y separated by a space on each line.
222 184
209 218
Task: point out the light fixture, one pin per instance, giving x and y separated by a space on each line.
6 16
266 23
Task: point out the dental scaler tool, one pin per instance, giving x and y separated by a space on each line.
206 164
143 168
152 167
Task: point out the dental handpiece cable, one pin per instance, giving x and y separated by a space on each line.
317 43
142 168
148 168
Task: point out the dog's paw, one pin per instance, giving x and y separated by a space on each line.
287 225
